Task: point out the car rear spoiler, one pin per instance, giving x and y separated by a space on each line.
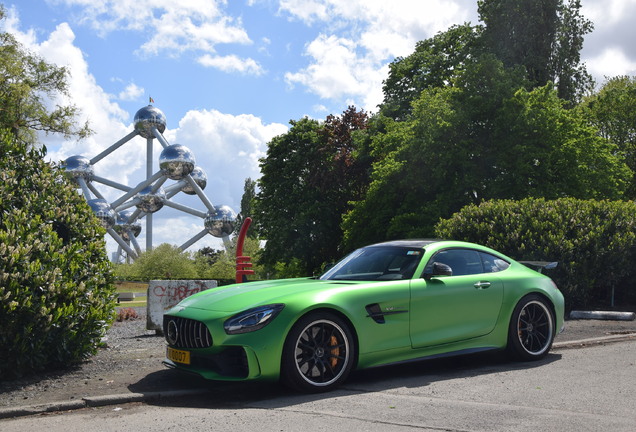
540 265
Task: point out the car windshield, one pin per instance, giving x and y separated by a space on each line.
376 263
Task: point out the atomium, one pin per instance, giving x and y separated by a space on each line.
176 163
148 118
200 178
103 211
150 202
221 222
126 225
78 167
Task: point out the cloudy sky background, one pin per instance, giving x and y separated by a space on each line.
229 75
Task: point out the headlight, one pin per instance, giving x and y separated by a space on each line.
252 319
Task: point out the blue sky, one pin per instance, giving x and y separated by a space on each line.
229 75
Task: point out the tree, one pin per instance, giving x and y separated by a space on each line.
163 262
224 268
485 138
286 208
247 204
26 83
543 36
309 176
56 290
436 63
612 111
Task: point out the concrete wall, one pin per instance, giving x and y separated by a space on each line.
164 294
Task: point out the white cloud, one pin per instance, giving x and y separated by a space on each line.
349 59
131 92
608 50
231 63
606 12
227 147
172 27
610 63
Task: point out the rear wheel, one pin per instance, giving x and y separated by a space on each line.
531 330
318 354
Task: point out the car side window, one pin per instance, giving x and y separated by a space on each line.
461 261
492 263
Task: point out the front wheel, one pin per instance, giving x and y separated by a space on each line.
319 353
531 330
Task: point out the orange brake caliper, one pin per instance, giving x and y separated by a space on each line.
335 352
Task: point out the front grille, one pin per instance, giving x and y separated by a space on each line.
186 333
231 362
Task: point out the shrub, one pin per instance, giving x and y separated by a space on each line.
56 292
127 314
593 241
163 262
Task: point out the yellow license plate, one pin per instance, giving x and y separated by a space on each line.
178 356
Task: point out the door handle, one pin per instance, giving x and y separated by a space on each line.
482 285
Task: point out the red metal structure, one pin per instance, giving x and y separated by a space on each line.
242 262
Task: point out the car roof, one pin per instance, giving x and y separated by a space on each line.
414 243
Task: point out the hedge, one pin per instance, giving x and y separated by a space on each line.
56 291
593 241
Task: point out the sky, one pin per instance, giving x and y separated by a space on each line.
229 75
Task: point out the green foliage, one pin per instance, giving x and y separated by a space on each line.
482 139
169 262
612 110
436 63
163 262
225 266
309 176
247 205
545 37
27 83
593 241
56 291
291 269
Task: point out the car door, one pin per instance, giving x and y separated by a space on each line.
462 306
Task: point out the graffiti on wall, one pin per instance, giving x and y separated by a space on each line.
173 294
164 294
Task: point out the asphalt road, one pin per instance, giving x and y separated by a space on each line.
586 389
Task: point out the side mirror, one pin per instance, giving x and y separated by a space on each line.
439 269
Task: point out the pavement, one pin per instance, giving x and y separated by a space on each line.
154 382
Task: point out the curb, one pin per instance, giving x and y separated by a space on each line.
593 341
95 401
603 315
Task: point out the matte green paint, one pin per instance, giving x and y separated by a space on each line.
443 315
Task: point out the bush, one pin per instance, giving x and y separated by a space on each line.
163 262
56 292
593 241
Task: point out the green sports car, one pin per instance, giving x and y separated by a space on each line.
385 303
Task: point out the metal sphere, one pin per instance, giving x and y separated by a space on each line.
200 178
125 225
176 161
147 118
220 223
103 211
78 167
150 202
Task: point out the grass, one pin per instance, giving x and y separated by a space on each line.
132 287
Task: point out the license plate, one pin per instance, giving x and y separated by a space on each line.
178 356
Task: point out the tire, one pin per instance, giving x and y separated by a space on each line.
531 331
318 354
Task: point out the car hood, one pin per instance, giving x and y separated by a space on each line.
239 297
